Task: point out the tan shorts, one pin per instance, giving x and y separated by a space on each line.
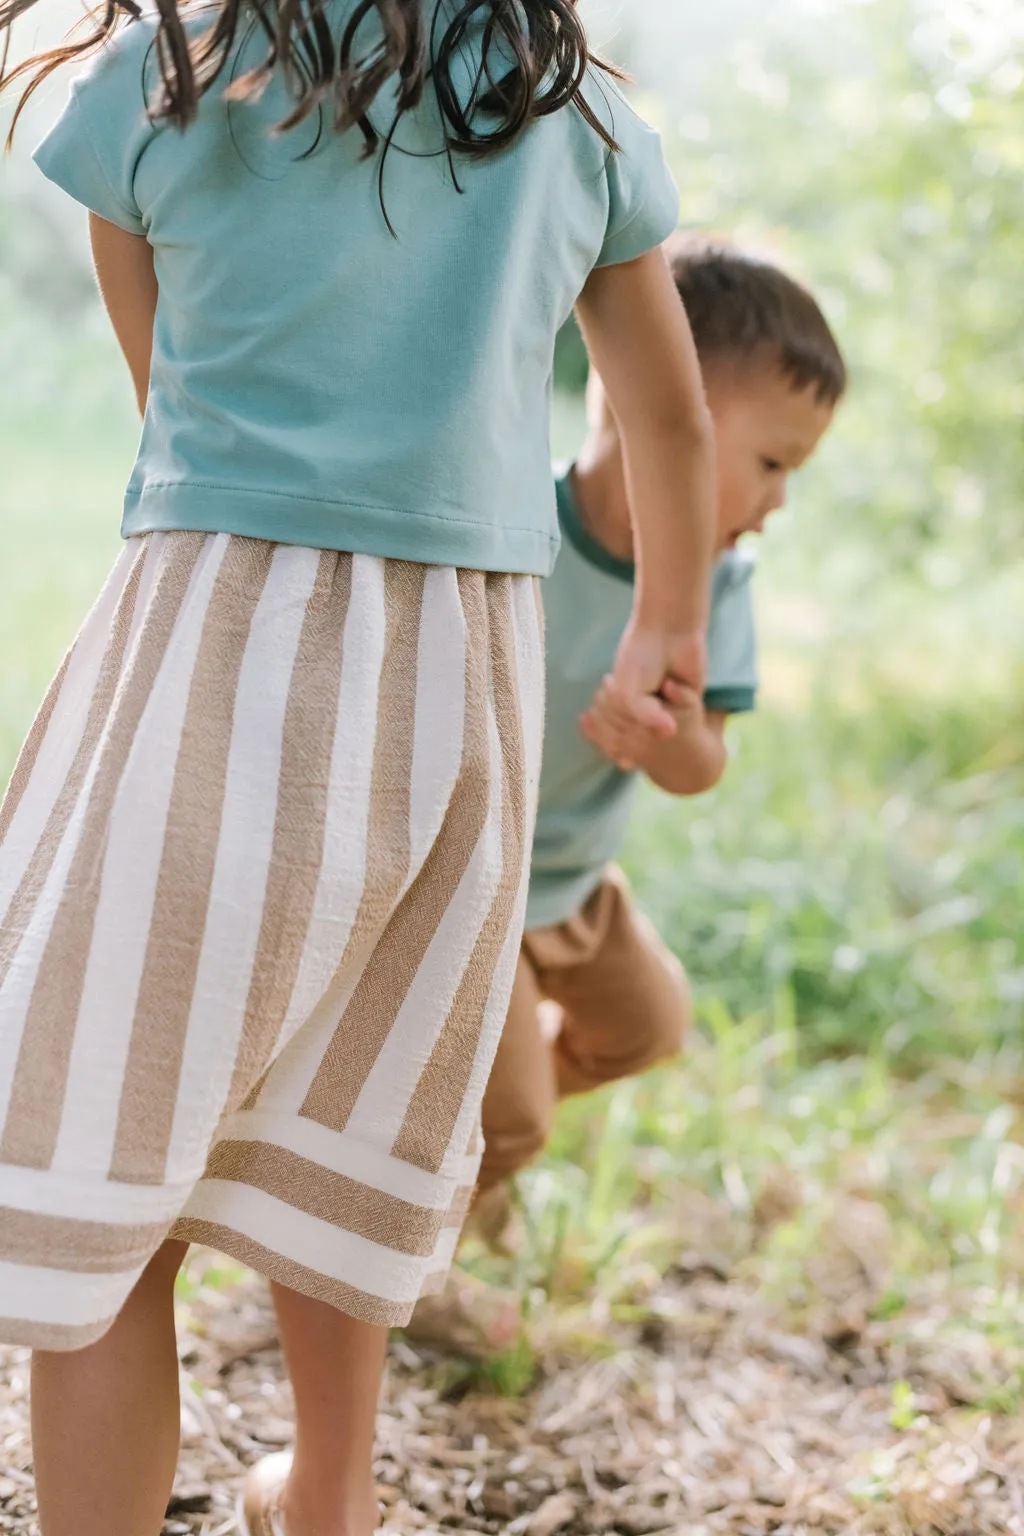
261 894
624 1005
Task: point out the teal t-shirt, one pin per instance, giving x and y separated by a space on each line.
317 381
584 799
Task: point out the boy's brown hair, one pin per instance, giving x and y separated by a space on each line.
744 309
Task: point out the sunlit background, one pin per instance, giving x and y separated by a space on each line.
849 901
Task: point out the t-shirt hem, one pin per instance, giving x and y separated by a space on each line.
72 180
550 908
638 237
427 538
731 701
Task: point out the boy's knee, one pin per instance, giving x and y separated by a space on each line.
671 1015
514 1143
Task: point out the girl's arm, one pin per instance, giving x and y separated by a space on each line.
639 341
124 270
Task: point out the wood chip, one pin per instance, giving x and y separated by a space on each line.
556 1512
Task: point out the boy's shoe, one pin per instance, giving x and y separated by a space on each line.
259 1503
466 1318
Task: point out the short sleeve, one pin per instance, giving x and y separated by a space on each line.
93 149
732 638
643 200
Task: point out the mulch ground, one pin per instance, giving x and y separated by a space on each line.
706 1417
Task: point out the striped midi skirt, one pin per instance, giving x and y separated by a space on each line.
262 880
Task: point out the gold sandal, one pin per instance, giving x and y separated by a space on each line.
259 1503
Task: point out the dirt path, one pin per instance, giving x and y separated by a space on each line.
705 1419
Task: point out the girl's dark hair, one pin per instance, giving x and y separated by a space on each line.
744 309
530 59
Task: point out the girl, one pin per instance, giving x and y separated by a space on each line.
263 857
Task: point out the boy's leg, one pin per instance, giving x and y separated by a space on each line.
624 996
106 1419
518 1108
336 1364
519 1103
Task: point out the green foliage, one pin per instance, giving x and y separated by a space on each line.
903 1411
855 878
882 152
847 902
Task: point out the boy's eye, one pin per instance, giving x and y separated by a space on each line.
772 466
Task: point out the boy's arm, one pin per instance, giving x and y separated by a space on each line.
124 270
639 340
694 759
688 763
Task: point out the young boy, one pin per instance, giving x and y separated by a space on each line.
774 376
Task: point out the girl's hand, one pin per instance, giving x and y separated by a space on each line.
648 663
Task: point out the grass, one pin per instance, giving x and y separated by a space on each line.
847 904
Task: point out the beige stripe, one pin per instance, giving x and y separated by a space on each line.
78 1247
387 832
308 1282
352 1050
25 897
149 1092
329 1196
297 852
37 1096
30 751
459 1208
398 955
56 1337
436 1104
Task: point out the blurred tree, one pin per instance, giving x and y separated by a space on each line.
41 269
881 152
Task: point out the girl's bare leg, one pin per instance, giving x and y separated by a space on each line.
336 1365
106 1419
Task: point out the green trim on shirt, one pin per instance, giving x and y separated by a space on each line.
731 701
734 700
583 541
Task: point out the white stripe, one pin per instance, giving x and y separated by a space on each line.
342 876
382 1104
131 869
237 893
63 733
51 1194
309 1240
32 1294
443 1255
440 709
338 1153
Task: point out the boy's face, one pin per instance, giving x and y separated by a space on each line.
764 430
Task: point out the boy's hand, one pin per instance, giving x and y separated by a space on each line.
614 731
646 662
